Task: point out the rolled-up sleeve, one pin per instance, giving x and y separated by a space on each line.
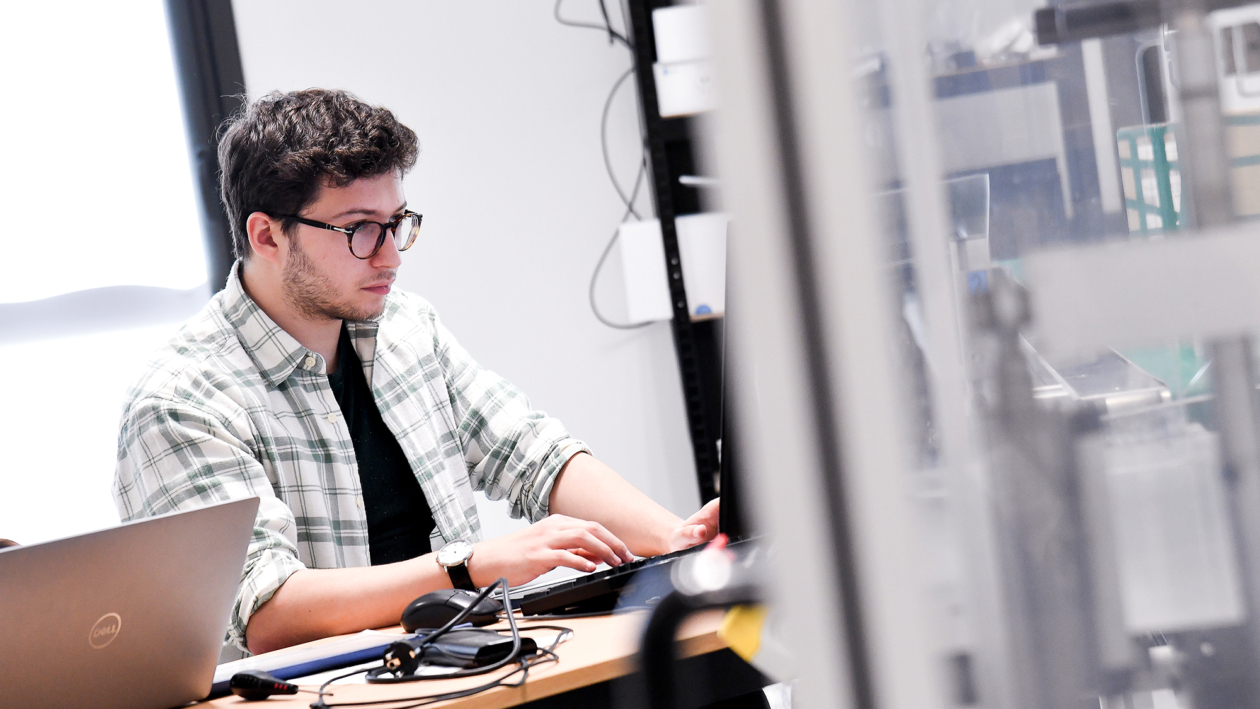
175 455
514 452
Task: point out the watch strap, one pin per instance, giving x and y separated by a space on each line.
460 578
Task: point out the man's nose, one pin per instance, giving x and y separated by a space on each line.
388 256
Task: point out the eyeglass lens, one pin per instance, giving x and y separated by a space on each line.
367 236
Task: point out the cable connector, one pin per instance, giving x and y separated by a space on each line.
404 656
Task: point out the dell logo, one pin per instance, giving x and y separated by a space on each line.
105 630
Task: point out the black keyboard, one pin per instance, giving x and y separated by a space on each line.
593 593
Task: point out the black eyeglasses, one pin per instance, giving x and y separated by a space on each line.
366 238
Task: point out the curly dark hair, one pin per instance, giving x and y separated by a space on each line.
276 153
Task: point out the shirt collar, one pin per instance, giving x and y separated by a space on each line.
362 329
276 352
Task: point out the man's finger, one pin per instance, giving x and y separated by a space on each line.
585 540
707 515
690 535
699 533
616 545
586 555
566 558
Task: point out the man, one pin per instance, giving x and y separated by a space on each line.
349 409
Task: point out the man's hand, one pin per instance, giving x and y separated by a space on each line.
696 529
526 554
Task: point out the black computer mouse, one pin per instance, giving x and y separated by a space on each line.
434 609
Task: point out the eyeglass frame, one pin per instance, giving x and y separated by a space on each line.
386 227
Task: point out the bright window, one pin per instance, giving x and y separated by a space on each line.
96 188
95 191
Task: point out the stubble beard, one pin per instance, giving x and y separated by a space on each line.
312 294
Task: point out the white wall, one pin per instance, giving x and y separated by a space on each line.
517 206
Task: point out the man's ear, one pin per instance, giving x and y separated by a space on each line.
266 236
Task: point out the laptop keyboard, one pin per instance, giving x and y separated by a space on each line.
591 593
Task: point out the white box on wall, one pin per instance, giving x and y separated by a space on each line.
681 33
684 77
643 265
684 88
702 248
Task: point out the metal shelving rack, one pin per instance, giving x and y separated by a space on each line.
698 343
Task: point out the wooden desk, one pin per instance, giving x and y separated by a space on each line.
601 651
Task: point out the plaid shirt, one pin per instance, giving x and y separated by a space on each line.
233 407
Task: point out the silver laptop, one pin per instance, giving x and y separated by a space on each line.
132 616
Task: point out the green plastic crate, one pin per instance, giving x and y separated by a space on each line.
1151 177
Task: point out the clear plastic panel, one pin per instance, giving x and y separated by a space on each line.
1065 198
1109 561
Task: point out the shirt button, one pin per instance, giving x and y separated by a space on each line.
358 502
310 361
332 418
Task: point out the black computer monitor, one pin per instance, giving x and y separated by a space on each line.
733 520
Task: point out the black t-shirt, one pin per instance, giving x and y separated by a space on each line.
399 518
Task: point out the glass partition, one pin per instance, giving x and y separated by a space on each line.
1061 198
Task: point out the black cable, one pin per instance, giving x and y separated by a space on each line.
603 146
562 616
603 10
323 688
427 640
565 634
599 266
426 699
374 676
545 655
613 35
612 176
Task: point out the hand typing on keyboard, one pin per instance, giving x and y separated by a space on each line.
568 541
696 529
555 541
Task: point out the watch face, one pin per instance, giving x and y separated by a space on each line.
455 553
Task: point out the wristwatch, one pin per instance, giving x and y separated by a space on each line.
454 558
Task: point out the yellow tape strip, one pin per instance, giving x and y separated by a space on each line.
741 630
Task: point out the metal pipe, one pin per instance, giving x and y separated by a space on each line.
1207 198
1073 23
1055 25
1238 418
